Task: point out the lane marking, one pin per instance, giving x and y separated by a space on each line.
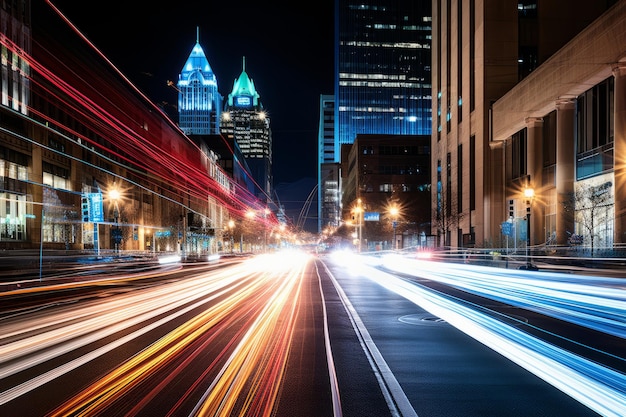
334 386
396 399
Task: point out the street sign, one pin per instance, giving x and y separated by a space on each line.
371 216
507 229
92 207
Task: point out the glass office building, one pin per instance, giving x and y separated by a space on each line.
383 82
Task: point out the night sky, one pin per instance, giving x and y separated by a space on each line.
289 57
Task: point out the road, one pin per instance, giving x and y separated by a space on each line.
286 335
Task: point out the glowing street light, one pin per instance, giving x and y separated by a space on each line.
358 211
115 195
529 194
393 212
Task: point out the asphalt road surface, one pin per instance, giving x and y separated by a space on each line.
283 335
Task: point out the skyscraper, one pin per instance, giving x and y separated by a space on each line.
382 63
245 120
328 179
199 102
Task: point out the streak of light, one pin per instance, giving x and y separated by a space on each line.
594 302
259 298
599 388
54 335
139 136
266 343
169 259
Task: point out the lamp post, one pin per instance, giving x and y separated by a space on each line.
529 194
358 210
265 213
393 211
114 195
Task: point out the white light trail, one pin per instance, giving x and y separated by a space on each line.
599 388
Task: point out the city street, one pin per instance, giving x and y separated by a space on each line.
289 334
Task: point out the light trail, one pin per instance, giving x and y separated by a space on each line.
600 388
259 360
248 312
28 343
593 302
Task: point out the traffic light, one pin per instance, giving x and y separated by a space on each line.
512 208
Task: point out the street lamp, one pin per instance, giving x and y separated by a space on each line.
358 210
115 195
266 211
393 211
529 194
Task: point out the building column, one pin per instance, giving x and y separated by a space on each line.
565 164
35 178
534 168
619 152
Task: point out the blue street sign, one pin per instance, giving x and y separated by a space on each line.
371 216
507 229
92 207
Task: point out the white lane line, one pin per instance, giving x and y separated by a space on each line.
397 400
334 386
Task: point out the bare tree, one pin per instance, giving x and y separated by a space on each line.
589 207
446 215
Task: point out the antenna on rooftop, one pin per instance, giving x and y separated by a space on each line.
244 64
197 34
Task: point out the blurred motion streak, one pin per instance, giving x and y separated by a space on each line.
581 300
247 313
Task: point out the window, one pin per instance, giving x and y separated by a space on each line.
472 172
459 179
13 215
448 185
594 130
518 154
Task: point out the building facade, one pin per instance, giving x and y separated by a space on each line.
15 91
562 133
382 59
481 50
383 173
94 167
245 121
199 101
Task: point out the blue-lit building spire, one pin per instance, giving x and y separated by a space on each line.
199 102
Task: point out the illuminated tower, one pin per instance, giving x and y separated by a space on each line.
245 120
199 102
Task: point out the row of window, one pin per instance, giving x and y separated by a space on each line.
401 150
395 170
403 188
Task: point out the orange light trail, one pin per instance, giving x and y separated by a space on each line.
245 377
